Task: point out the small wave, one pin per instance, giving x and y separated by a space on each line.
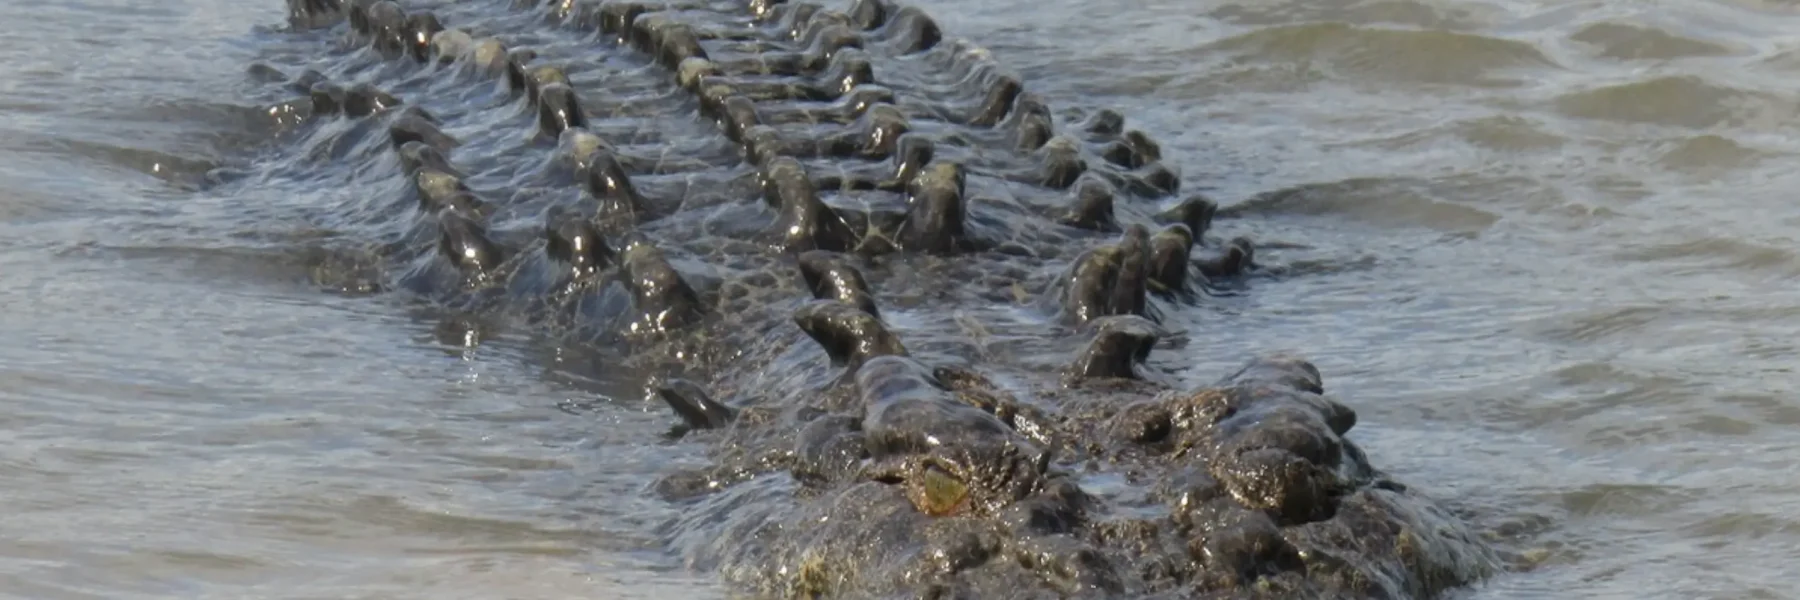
1399 55
1385 201
1769 409
1611 322
1589 398
180 170
176 142
1507 133
307 264
1396 12
1632 42
1329 266
1709 155
396 518
1739 525
1711 254
1627 499
1680 101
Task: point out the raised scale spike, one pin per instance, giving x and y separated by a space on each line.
763 145
1128 292
998 103
357 12
387 28
949 456
1169 263
911 152
911 31
313 14
869 14
1120 344
573 241
327 98
1237 257
413 126
1196 212
739 115
304 82
1092 206
1086 295
450 45
606 181
696 408
848 334
1131 152
575 147
911 156
805 221
848 70
1032 128
1062 163
466 203
464 243
1105 122
559 110
419 30
663 299
675 44
830 277
935 221
365 99
1109 280
540 77
518 75
416 155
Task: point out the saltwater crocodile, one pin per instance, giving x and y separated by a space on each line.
706 185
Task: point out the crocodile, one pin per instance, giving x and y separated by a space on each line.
845 244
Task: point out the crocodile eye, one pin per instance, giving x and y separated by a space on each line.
938 493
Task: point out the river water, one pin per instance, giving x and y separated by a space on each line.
1545 250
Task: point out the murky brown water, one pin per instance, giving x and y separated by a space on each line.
1545 249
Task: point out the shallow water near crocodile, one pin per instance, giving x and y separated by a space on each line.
1544 249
